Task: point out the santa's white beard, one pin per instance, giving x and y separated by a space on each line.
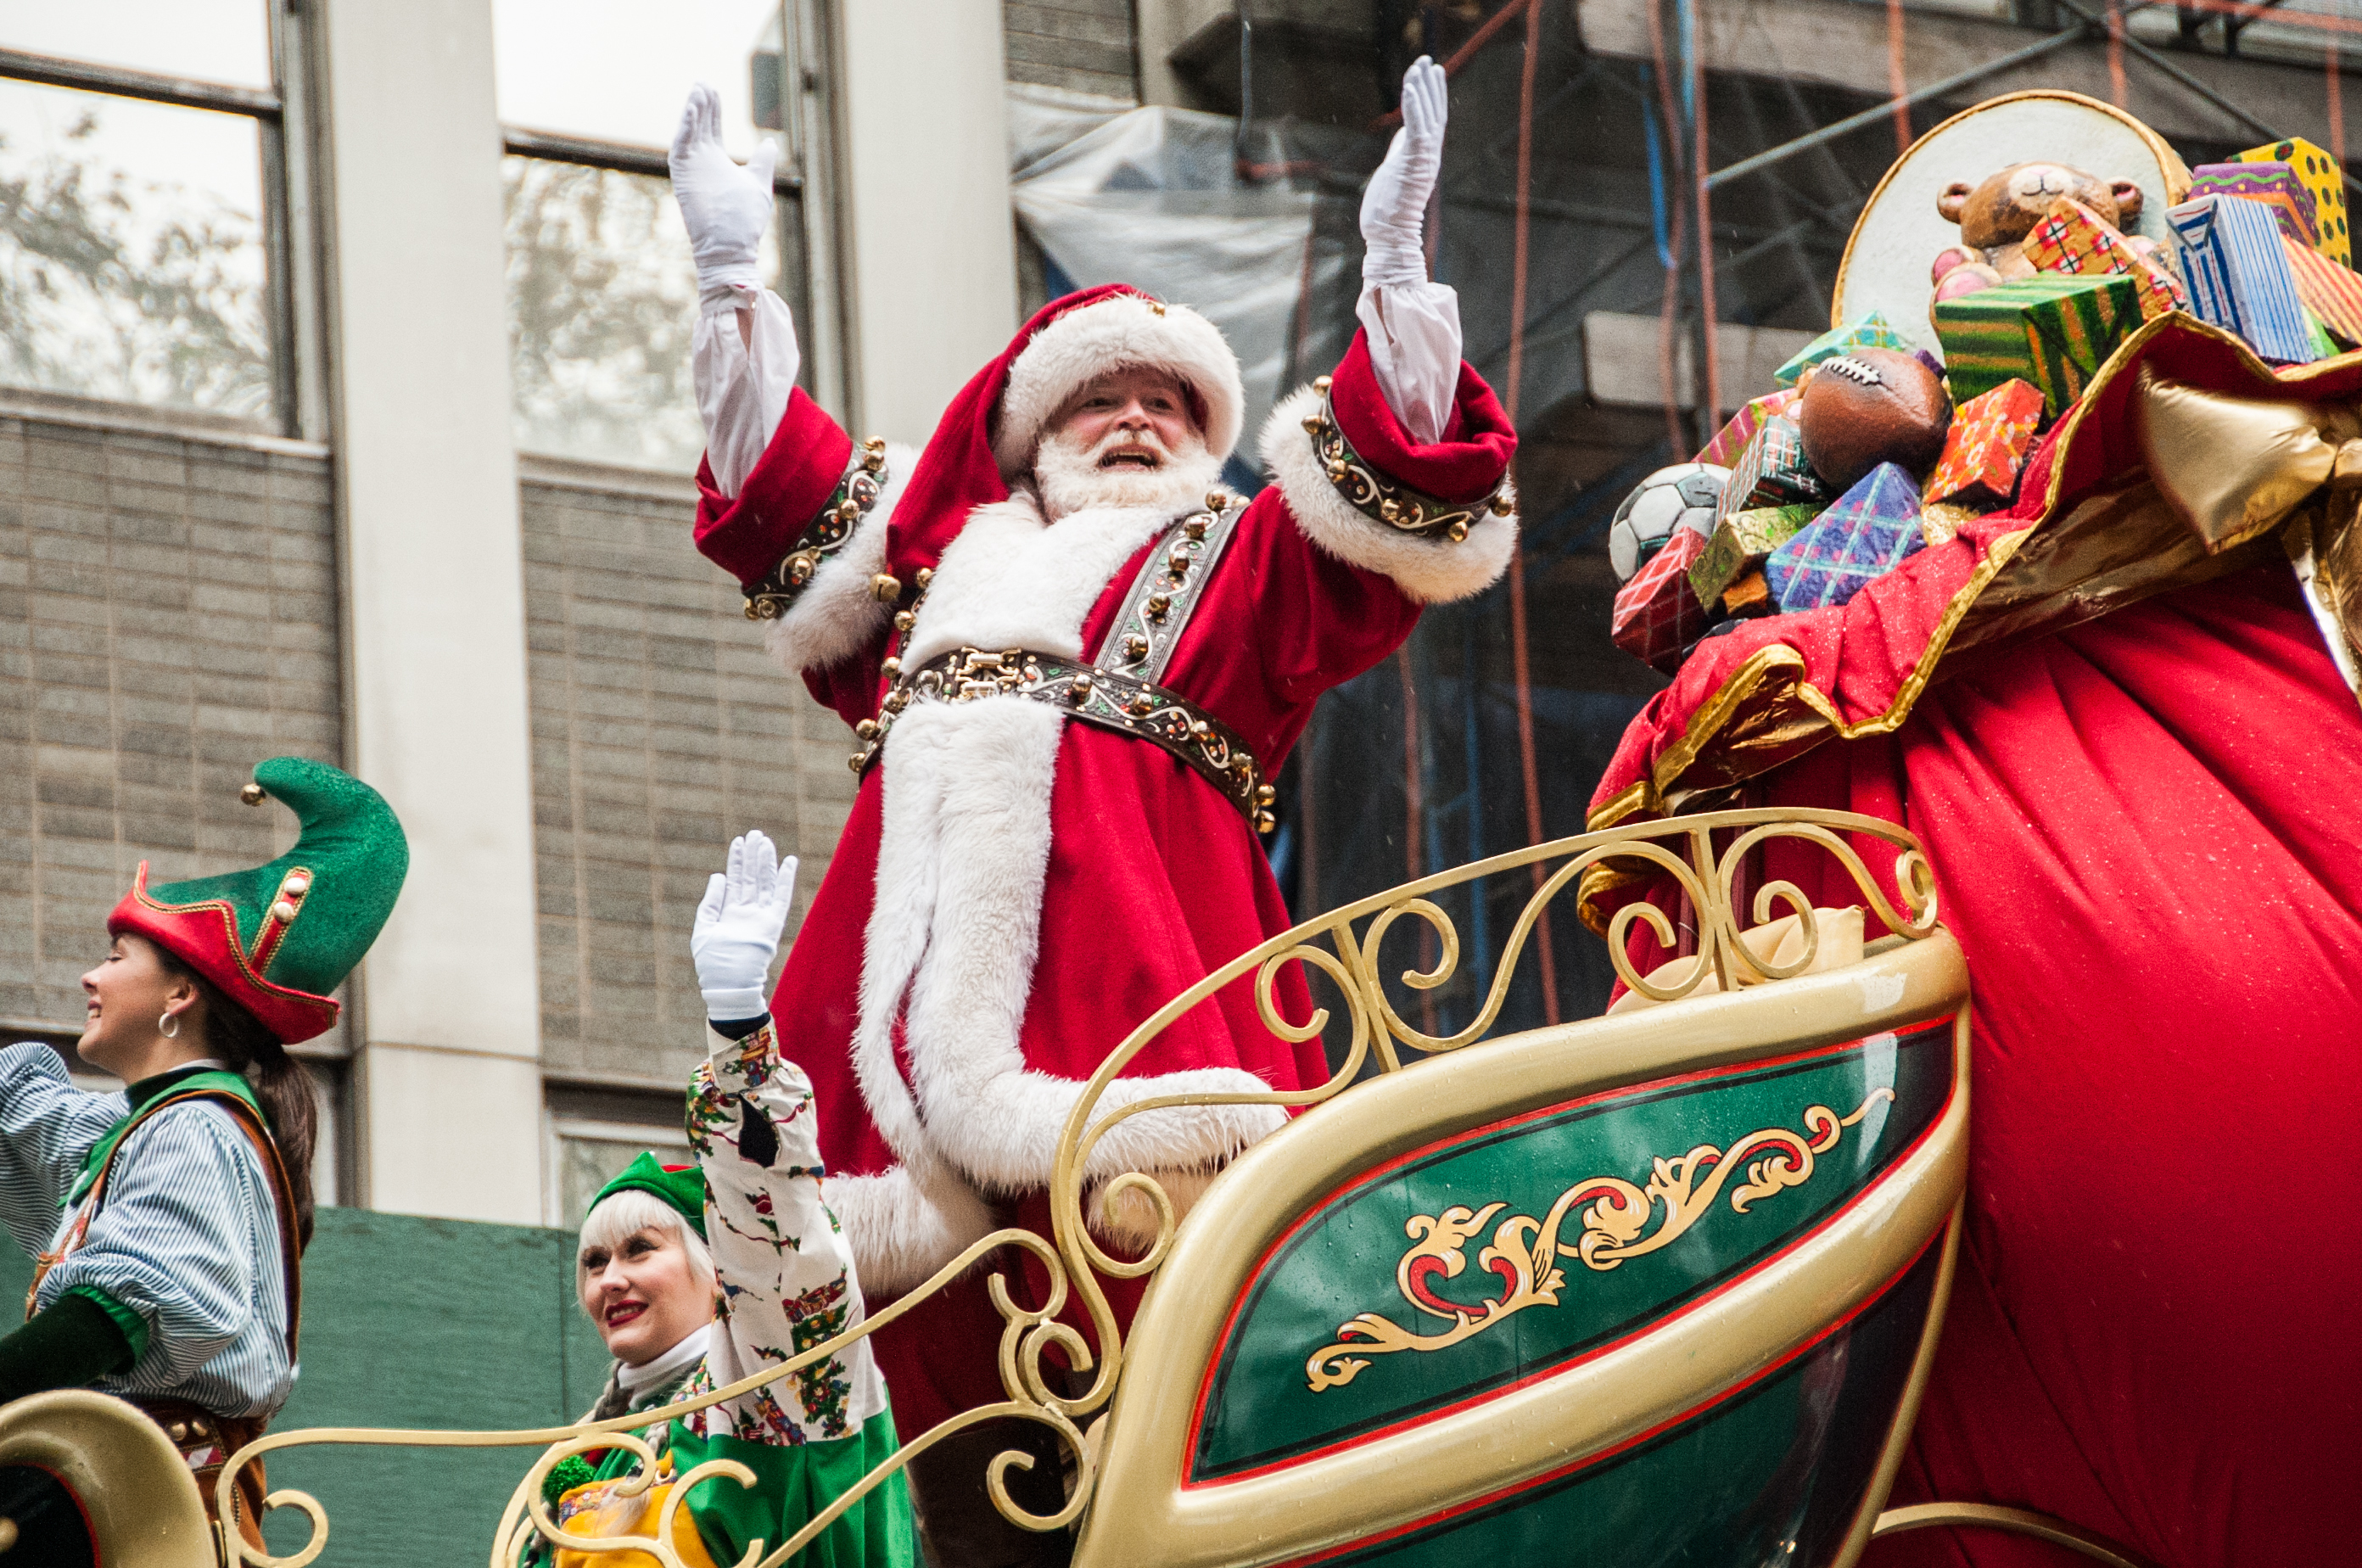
1068 475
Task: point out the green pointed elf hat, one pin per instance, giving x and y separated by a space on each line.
279 938
682 1188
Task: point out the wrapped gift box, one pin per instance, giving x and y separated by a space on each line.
1869 332
1732 438
2323 177
1748 598
2324 346
2072 238
2274 186
1771 471
1991 436
2238 275
1865 534
2052 329
1741 542
2331 292
1657 614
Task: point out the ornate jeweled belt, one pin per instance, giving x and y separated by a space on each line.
1118 690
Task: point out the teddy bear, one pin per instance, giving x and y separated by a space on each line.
1996 214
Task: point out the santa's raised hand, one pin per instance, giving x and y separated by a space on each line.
726 206
1393 208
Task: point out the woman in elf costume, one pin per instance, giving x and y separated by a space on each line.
698 1276
168 1220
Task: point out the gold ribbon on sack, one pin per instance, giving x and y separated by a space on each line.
2232 467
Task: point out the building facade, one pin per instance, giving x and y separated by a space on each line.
344 410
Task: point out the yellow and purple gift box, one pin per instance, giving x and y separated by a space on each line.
2320 174
2276 185
2053 330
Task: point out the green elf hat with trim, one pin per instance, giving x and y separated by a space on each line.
279 938
682 1188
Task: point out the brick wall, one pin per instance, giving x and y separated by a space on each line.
167 619
659 728
1085 46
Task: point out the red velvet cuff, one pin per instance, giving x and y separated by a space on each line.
1474 452
792 481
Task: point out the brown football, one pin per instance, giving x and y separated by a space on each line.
1871 406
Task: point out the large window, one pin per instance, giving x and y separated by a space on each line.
602 294
144 224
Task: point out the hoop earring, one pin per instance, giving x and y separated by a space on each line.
169 1026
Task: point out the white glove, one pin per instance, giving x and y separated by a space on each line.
738 927
1393 208
725 208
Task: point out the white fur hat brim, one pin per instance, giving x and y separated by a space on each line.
1106 335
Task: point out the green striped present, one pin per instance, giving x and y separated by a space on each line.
2054 330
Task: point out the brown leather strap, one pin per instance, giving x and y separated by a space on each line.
274 1168
208 1442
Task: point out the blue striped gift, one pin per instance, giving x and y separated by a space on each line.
2239 277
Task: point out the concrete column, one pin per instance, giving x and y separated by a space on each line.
449 1088
932 259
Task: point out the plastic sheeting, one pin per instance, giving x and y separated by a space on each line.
1152 197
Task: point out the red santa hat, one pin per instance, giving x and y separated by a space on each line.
987 434
1107 329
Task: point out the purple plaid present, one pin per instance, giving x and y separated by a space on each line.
1867 533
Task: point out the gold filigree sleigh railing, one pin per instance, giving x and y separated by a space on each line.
1706 857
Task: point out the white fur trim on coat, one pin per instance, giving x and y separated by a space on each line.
1123 329
1434 571
964 850
837 614
902 1227
1011 580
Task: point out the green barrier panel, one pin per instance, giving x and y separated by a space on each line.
411 1322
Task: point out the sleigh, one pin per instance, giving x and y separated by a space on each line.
1659 1285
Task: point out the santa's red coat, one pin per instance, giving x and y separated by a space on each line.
1013 893
2145 836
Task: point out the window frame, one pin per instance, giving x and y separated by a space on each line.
281 118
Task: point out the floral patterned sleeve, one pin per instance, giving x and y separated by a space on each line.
785 1272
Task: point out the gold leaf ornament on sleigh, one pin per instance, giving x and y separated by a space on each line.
1615 1213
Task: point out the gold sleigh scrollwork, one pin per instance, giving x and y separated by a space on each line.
1615 1214
1702 857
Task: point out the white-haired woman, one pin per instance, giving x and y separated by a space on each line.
700 1276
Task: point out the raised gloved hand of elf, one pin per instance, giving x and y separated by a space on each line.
725 207
1393 208
738 927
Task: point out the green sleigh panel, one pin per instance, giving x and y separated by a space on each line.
1656 1288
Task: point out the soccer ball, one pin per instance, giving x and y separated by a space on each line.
1683 496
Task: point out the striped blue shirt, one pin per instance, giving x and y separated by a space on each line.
188 1238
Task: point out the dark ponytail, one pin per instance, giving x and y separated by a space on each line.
282 1082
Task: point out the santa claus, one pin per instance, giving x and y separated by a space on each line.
1073 662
